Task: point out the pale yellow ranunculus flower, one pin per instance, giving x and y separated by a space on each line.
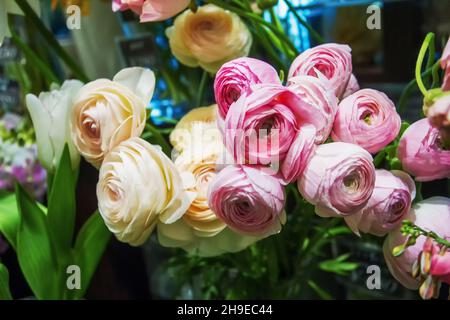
209 37
108 112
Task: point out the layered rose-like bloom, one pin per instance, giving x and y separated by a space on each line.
248 200
352 87
209 37
445 64
339 179
329 62
389 204
236 78
439 115
198 125
421 153
138 187
273 126
315 92
432 214
152 10
108 112
367 118
51 115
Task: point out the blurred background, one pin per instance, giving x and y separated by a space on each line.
383 59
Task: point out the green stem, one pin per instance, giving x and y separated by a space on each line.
411 86
423 51
33 58
201 89
302 21
410 228
50 39
256 18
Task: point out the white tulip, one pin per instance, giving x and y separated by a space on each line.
51 114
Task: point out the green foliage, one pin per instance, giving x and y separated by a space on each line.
5 294
43 239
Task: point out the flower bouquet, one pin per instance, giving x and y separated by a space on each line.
302 153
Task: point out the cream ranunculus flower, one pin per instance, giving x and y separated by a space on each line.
108 112
138 187
51 114
197 131
10 7
209 38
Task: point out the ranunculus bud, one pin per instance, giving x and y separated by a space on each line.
432 214
329 62
445 64
209 37
339 179
389 204
248 200
51 114
152 10
273 126
367 118
315 92
108 112
138 187
422 154
235 78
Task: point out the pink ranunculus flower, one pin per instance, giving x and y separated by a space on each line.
439 115
339 179
445 64
315 92
389 204
330 62
248 200
432 214
273 126
152 10
352 87
367 118
421 154
235 78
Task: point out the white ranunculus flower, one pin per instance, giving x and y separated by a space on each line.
51 114
138 187
10 7
108 112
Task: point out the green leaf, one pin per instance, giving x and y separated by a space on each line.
62 206
320 292
338 265
89 247
9 218
5 294
35 253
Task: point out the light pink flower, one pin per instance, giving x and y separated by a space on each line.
367 118
389 204
432 214
152 10
421 153
338 180
315 92
235 78
439 116
352 87
330 62
445 64
248 200
272 126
